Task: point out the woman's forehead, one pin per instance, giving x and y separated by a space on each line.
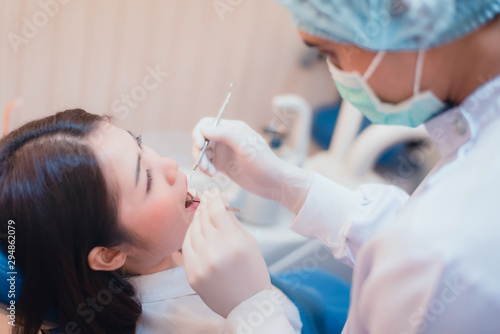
117 153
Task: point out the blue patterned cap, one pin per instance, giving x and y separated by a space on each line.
391 25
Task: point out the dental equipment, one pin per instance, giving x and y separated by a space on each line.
8 110
228 208
205 145
192 199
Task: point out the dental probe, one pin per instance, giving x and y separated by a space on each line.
228 208
192 193
205 145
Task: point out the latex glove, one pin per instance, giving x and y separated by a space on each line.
222 261
238 151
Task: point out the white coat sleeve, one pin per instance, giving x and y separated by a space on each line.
344 219
263 313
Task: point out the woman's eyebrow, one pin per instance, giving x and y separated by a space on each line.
138 169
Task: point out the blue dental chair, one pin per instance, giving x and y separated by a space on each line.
6 274
11 282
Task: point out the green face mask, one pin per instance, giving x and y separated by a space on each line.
412 112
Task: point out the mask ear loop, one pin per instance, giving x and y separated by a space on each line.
373 66
419 72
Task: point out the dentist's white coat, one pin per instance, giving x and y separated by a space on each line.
428 263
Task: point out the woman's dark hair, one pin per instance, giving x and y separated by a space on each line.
52 186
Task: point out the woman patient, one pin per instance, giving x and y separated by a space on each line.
100 220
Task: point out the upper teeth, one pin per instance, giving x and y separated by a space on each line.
191 195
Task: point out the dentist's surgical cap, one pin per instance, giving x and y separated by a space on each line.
391 25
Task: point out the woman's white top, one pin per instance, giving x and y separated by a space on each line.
429 263
170 305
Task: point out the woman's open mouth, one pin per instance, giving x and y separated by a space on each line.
192 199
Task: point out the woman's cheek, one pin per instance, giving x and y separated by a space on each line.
158 219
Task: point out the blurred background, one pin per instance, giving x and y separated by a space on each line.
98 55
159 66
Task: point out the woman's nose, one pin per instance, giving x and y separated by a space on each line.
170 168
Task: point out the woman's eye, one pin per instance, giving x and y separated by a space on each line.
150 179
139 140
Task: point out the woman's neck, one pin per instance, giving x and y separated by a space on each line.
150 267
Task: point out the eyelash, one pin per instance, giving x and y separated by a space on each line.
150 179
148 172
139 140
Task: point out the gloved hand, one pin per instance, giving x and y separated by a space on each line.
222 261
238 151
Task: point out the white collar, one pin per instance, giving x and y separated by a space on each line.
167 284
450 130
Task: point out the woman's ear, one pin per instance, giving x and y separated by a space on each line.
106 259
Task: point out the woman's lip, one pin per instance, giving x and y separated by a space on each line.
193 204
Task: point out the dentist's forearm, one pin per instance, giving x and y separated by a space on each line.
294 187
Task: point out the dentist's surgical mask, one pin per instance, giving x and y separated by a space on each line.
412 112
